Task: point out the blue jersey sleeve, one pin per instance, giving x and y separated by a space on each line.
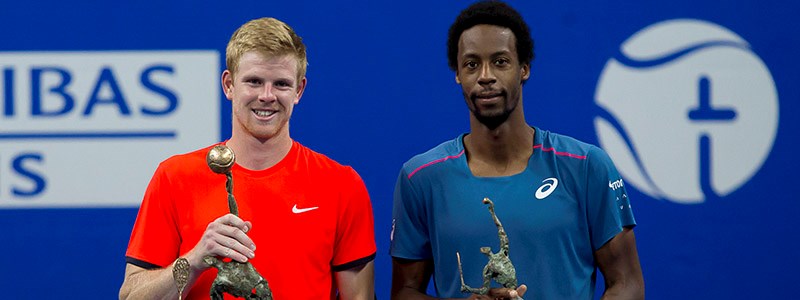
409 236
608 206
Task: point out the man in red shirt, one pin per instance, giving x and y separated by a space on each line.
310 216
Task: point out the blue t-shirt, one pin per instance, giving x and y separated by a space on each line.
565 205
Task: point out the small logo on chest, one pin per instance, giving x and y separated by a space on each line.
548 186
302 210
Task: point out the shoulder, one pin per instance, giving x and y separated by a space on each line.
434 158
320 163
571 150
329 177
185 162
562 145
567 147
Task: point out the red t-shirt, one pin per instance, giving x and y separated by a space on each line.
311 217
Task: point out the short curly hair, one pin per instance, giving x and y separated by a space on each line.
490 13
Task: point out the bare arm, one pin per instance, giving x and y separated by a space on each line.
410 281
224 237
410 278
357 283
618 260
141 283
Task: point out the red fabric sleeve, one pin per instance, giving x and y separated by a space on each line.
355 230
155 238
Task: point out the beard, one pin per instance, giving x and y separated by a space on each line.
492 119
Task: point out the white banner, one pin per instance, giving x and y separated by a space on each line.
87 129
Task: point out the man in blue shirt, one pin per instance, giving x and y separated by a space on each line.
562 202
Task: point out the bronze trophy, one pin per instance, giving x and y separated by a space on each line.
234 278
499 266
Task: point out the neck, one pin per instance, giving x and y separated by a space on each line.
259 154
506 141
501 151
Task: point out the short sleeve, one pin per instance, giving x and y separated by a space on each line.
355 231
155 239
409 236
608 205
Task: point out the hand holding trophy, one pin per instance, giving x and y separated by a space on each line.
499 266
234 278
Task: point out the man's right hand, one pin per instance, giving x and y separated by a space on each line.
224 237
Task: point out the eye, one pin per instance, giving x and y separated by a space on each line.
283 84
471 65
253 81
501 62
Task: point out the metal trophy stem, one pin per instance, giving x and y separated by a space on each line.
231 201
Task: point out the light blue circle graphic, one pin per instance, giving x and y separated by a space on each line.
688 111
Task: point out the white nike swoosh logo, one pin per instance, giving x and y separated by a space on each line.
302 210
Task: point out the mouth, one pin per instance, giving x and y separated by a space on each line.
487 97
264 113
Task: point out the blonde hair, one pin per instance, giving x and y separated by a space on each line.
269 37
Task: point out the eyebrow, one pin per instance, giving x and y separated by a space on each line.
495 54
289 79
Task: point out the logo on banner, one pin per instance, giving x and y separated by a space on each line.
688 111
89 128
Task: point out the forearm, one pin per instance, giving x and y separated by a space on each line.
152 284
618 260
149 284
413 294
357 283
410 279
630 290
410 294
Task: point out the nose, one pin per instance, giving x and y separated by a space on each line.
486 75
268 94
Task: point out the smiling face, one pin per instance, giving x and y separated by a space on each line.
490 73
264 91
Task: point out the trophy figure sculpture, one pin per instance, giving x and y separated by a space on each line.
499 266
234 278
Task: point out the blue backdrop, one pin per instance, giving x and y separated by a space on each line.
380 91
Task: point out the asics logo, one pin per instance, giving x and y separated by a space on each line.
302 210
547 188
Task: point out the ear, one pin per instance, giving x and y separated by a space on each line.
526 71
301 87
227 84
458 80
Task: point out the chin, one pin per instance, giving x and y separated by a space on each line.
261 133
492 122
493 118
